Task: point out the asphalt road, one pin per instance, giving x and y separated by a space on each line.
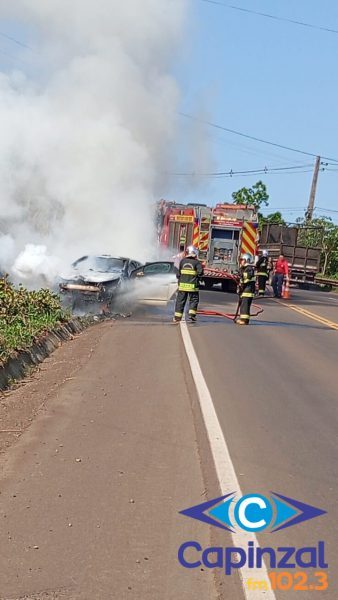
274 385
90 493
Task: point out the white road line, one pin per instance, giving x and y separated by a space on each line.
224 467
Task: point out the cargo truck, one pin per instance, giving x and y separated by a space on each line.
304 261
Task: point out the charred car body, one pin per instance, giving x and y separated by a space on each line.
96 279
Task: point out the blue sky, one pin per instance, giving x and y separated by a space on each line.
269 79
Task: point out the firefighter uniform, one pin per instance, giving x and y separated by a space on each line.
190 270
263 271
247 292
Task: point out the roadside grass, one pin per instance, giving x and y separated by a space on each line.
25 315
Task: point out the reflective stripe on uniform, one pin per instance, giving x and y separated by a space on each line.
263 274
192 311
178 314
244 317
188 272
187 287
247 295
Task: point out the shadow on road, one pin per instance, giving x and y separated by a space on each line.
290 325
205 321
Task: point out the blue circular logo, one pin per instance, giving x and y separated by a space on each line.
253 512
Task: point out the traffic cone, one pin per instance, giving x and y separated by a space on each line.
286 290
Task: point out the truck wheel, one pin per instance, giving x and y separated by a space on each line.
208 284
225 285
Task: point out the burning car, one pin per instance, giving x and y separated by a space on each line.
96 279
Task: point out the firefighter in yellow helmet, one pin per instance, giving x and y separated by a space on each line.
189 272
246 289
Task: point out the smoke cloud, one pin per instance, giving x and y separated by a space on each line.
87 124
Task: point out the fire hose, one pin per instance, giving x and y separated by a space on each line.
230 316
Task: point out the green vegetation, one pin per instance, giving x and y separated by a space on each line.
322 232
256 196
275 218
24 315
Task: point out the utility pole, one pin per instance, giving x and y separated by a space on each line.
311 205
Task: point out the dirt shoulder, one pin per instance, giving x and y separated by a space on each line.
26 399
91 491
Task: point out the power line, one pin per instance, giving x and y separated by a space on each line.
292 172
295 208
14 40
274 17
290 209
256 139
326 209
266 170
285 212
231 175
266 208
271 173
250 150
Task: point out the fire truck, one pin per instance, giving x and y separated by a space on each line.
221 234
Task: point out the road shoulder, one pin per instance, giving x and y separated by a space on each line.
92 490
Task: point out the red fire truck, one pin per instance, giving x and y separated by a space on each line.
221 234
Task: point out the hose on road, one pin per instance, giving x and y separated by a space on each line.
231 317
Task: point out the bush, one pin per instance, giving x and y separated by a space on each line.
24 315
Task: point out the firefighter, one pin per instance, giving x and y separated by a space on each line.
263 267
246 289
190 271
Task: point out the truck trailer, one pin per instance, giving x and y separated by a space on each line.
304 261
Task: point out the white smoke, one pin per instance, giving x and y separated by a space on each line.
7 253
87 125
34 265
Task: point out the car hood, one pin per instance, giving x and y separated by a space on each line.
91 277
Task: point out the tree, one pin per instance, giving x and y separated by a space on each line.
330 247
322 232
275 218
256 196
